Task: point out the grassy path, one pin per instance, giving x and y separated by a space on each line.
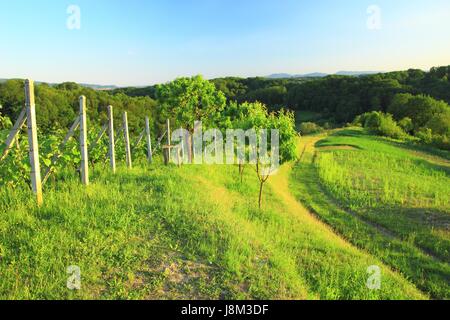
426 270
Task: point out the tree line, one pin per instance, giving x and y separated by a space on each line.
338 99
58 105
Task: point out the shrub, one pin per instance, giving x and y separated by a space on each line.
371 120
390 128
425 135
310 128
406 124
358 122
381 124
441 141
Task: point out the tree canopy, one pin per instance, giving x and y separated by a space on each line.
187 100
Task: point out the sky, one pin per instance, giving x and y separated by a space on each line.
143 42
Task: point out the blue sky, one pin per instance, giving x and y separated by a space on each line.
137 42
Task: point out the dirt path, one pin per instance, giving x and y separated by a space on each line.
280 186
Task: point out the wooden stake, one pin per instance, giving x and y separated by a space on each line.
83 143
168 140
149 141
112 152
168 132
33 141
20 122
127 140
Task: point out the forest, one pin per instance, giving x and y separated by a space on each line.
414 96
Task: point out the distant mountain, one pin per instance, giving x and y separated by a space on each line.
355 73
287 75
98 86
320 75
311 75
280 76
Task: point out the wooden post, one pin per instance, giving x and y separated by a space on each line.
112 150
127 140
20 122
166 154
168 140
83 143
149 141
33 141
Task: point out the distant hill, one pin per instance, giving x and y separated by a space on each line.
355 73
320 75
98 86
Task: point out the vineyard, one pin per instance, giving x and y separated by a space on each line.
61 151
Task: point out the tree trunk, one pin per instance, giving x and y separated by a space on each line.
261 185
241 171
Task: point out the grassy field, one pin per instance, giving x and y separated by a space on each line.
385 197
165 233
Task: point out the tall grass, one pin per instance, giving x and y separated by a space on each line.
340 193
372 179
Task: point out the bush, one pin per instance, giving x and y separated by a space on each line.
389 128
441 141
425 135
372 120
381 124
310 128
358 122
406 124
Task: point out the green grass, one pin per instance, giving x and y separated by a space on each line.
384 198
167 233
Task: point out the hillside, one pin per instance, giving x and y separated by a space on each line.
194 232
383 196
360 212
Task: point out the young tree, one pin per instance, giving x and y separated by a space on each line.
284 122
245 116
187 100
266 150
